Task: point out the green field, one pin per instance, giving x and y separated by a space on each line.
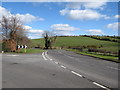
79 41
113 58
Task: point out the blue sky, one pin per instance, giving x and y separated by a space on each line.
66 18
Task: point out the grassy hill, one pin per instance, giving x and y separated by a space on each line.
68 42
79 41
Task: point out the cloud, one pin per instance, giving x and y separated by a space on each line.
28 18
114 26
27 27
95 5
25 18
63 29
82 14
36 31
74 5
84 10
95 32
88 5
117 16
33 33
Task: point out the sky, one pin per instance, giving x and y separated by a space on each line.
65 18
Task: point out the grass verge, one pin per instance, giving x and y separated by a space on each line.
32 51
106 57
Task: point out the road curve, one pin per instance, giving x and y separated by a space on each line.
98 70
57 69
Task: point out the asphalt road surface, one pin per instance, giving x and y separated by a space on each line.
57 69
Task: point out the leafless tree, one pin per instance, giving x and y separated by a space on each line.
13 29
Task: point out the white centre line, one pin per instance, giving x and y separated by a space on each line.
45 53
44 56
49 58
76 74
63 66
56 62
100 85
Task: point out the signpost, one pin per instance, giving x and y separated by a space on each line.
18 48
25 48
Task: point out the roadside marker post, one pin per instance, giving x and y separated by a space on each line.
25 48
18 48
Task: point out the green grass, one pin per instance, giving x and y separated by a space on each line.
32 51
36 42
79 41
113 58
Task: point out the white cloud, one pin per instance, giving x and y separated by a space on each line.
117 16
75 11
95 32
33 33
63 29
95 5
113 26
74 5
26 18
27 27
36 31
88 5
82 14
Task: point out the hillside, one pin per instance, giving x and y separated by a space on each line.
79 41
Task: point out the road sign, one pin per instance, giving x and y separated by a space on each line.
18 46
25 46
21 46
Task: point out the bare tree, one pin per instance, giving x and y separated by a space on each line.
13 30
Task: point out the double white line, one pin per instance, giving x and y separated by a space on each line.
43 54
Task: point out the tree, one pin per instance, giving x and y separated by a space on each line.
50 38
12 31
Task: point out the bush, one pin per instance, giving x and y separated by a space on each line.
5 47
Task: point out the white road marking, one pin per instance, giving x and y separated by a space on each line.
56 62
63 66
100 85
48 57
76 74
45 53
44 56
113 68
13 55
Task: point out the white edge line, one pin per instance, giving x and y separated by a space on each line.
12 55
100 85
44 56
63 66
76 74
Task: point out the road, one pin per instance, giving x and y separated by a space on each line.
57 69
